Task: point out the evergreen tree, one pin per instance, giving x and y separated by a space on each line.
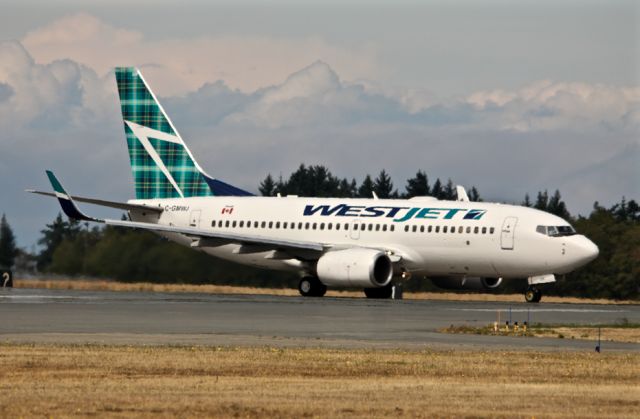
383 186
542 201
366 188
280 187
417 186
347 189
436 190
322 182
626 211
557 206
267 186
298 183
52 236
316 181
70 256
527 201
449 191
8 250
474 195
633 211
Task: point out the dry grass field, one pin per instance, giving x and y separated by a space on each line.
608 333
103 285
106 381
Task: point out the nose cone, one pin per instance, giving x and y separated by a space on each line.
585 250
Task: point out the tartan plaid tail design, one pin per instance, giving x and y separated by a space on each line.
165 163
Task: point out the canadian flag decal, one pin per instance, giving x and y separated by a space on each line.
227 209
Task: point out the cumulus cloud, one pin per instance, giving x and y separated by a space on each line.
316 95
182 65
313 95
62 92
547 105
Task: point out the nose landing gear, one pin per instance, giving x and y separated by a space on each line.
533 294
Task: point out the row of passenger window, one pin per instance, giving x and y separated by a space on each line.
345 226
299 226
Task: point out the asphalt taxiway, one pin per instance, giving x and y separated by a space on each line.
65 316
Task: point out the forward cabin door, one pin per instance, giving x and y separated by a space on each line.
194 220
508 233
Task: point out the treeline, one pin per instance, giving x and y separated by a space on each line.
79 249
318 181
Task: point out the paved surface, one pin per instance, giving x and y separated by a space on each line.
162 318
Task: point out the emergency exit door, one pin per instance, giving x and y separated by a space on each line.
507 236
355 229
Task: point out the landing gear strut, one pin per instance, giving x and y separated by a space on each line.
310 286
533 294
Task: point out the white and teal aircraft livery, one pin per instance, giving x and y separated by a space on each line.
363 243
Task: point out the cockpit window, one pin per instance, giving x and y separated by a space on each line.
556 231
566 231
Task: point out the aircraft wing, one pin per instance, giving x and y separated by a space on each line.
222 238
101 202
211 238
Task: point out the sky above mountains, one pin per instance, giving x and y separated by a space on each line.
511 98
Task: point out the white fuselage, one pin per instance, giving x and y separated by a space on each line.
432 237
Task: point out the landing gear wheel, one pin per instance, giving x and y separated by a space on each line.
311 287
382 292
533 295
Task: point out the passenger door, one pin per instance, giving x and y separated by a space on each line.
507 237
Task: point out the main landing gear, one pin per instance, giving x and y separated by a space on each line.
310 286
533 294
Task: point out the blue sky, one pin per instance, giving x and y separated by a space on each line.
512 97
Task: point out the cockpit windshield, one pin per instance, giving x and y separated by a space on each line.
556 231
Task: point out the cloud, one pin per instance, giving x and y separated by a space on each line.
313 95
316 95
61 93
548 105
247 63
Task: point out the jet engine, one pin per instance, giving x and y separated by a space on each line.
364 268
467 283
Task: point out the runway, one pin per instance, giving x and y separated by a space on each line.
64 316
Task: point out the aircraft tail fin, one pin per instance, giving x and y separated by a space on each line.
162 164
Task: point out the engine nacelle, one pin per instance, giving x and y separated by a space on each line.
468 283
364 268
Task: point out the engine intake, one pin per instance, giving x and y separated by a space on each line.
469 283
357 267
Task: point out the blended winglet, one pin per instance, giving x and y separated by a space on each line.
68 206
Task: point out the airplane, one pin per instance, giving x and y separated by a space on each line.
370 244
